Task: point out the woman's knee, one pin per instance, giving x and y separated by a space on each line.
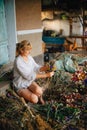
28 95
39 91
35 88
34 98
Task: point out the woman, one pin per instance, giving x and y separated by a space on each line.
26 70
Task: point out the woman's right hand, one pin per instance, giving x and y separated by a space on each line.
50 74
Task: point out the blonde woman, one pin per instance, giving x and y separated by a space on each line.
26 70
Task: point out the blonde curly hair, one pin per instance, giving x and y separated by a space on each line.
23 46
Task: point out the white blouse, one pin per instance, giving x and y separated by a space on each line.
24 72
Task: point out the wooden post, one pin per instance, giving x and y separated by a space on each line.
70 22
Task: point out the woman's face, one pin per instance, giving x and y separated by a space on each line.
26 52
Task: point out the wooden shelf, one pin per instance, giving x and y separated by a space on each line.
78 36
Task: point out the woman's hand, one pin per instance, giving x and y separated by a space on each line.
44 68
50 74
46 75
